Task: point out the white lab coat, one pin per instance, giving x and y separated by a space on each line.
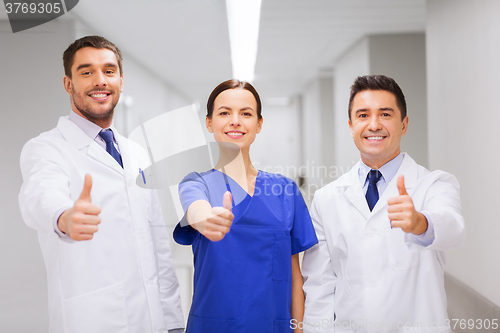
123 280
374 278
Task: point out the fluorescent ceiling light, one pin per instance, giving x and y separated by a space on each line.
243 18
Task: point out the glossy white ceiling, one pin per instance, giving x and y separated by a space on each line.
300 39
186 42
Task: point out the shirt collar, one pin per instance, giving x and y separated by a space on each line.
89 128
387 170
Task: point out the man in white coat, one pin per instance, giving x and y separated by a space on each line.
103 239
382 229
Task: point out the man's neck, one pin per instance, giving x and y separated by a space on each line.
102 123
377 163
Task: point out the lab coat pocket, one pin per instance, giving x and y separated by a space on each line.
101 311
210 325
282 326
400 258
282 258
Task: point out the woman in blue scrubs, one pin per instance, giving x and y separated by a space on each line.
246 228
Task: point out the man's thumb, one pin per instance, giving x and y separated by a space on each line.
227 200
87 186
401 185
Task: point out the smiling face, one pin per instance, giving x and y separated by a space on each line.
95 84
376 126
234 118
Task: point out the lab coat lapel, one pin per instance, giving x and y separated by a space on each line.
77 138
101 155
355 193
409 169
73 134
130 169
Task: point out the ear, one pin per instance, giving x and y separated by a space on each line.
350 127
67 84
208 123
259 127
405 126
121 82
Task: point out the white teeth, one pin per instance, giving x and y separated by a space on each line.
99 95
375 137
234 133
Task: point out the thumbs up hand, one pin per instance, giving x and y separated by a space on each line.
219 220
402 213
80 222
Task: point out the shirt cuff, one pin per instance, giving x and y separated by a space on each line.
427 238
176 330
58 231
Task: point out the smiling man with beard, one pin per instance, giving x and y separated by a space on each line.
95 85
104 243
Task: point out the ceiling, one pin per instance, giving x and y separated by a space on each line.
300 39
186 42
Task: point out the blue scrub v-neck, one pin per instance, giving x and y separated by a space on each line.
243 282
232 186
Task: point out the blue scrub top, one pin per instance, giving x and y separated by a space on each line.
243 283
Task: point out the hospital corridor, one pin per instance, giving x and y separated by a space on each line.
302 56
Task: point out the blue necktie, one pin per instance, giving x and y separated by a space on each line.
372 191
110 147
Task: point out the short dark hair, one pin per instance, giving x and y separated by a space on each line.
97 42
378 82
233 84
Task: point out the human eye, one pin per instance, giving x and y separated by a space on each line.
223 113
362 115
85 73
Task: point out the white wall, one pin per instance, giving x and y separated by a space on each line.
326 125
310 121
402 57
464 113
318 135
352 64
277 147
150 95
32 99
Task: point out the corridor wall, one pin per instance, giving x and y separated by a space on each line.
463 52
